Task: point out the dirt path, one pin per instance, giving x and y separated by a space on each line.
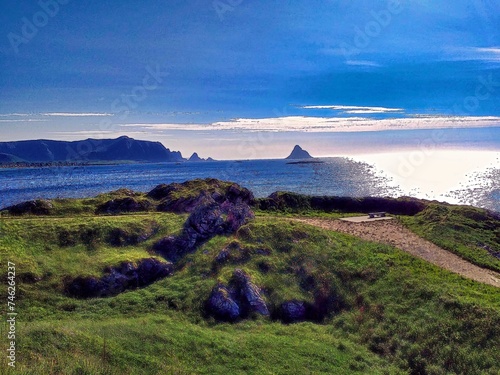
392 232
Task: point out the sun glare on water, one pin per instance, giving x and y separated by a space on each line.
434 175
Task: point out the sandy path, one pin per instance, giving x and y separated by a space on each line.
392 232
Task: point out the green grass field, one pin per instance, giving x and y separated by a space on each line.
398 314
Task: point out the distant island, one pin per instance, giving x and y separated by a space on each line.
301 156
196 158
90 151
299 153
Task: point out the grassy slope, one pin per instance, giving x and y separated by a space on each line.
401 314
462 230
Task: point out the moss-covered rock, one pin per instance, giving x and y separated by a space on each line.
35 207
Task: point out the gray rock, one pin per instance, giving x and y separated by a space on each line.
223 256
250 294
238 300
118 279
205 222
221 306
293 311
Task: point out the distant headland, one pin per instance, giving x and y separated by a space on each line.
124 149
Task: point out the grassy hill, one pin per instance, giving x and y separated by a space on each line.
391 313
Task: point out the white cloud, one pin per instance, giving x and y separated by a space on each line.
351 109
326 125
487 54
27 120
65 114
14 114
362 63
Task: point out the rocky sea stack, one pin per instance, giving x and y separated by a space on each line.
195 157
299 153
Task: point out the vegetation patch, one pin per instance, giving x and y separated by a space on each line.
335 303
472 233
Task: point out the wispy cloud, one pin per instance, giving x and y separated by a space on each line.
326 125
351 109
363 63
487 54
15 114
25 120
66 114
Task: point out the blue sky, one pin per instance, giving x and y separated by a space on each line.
186 72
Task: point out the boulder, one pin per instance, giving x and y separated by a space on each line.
85 287
149 270
35 207
221 306
237 194
223 256
292 311
118 279
239 299
249 294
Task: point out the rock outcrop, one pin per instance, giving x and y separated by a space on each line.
237 300
293 311
195 157
294 201
118 279
206 221
186 196
221 305
299 153
216 207
35 207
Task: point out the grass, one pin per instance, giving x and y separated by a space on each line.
394 314
465 231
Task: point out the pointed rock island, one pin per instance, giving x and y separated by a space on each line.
195 157
299 153
301 156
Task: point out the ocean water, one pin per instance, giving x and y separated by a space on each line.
336 176
339 176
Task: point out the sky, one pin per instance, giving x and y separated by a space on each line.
236 79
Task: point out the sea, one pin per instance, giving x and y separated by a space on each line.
452 176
